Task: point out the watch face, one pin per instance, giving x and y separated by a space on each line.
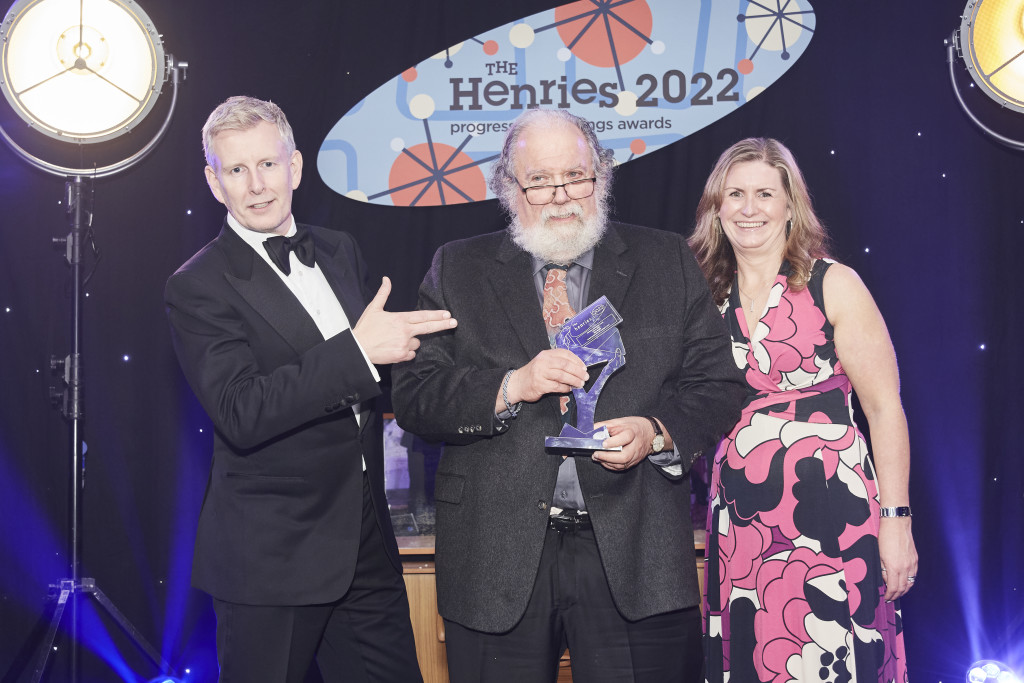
659 443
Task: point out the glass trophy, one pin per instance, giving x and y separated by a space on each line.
591 335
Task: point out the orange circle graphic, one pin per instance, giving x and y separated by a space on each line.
411 176
584 28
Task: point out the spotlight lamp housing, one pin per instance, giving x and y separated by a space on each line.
82 72
990 41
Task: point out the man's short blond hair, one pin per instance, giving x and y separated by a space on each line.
242 113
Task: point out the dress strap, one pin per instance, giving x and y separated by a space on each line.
816 285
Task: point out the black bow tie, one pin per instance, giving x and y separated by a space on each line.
280 246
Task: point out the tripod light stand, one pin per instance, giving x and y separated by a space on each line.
82 72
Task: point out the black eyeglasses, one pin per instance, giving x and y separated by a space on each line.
539 195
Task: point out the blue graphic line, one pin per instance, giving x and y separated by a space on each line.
782 14
611 46
563 21
398 188
788 16
466 167
582 32
417 198
471 164
351 160
426 167
453 187
455 154
703 28
639 34
444 172
437 173
429 170
782 29
430 144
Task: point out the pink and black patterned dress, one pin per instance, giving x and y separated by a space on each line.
794 582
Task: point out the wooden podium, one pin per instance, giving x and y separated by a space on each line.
418 562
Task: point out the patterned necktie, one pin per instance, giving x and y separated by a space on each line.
280 246
557 310
556 301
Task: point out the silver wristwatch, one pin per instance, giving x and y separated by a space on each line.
658 443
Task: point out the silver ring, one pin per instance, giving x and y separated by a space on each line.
911 579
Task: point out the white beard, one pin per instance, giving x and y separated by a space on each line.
560 243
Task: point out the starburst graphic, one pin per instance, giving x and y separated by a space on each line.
772 25
435 174
605 33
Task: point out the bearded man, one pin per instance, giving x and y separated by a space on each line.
537 551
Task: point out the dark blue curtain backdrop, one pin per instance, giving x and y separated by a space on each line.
927 209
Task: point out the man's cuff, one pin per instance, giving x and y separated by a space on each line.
501 421
666 458
373 369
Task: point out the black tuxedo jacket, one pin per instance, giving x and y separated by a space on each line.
280 521
494 485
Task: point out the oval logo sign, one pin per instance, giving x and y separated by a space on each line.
644 73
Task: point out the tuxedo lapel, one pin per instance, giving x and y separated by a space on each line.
336 267
263 290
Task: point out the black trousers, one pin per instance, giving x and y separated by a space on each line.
572 606
364 637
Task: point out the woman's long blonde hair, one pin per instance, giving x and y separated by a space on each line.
806 237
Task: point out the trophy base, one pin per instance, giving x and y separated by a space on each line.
572 439
568 443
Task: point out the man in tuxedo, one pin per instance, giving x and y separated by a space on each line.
594 551
295 543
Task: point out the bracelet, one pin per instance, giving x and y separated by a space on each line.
513 410
895 512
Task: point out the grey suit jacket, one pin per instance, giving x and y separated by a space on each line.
494 484
281 517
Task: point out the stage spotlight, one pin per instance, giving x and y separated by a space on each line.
991 671
992 44
81 70
990 41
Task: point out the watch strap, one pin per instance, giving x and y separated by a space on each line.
659 436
